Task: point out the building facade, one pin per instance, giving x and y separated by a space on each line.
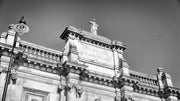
89 68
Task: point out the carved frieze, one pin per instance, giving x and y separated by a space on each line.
95 55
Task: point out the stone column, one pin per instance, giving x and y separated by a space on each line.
126 92
72 86
118 61
116 58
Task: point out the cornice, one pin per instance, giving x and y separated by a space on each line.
85 75
171 91
39 66
146 90
40 47
42 62
138 87
85 34
91 38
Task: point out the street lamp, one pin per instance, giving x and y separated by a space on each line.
17 29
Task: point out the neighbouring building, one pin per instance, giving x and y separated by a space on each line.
89 68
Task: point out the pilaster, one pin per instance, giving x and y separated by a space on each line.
73 73
73 88
126 93
116 58
124 70
14 92
117 63
118 94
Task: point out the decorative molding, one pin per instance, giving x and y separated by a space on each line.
95 39
171 91
34 94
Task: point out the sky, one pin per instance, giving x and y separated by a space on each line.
150 28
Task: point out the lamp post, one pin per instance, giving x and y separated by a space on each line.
17 29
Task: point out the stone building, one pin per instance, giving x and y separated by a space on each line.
89 68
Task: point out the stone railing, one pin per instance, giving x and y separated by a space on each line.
39 52
145 79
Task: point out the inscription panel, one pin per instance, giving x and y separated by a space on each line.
95 55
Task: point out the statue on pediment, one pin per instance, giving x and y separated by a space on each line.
94 27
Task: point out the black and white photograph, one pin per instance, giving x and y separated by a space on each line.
89 50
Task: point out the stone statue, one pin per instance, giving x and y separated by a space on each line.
70 47
94 27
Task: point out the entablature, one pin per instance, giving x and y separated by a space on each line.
91 38
84 74
138 87
32 60
40 66
171 91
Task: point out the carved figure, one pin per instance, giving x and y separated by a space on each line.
71 46
79 91
94 27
